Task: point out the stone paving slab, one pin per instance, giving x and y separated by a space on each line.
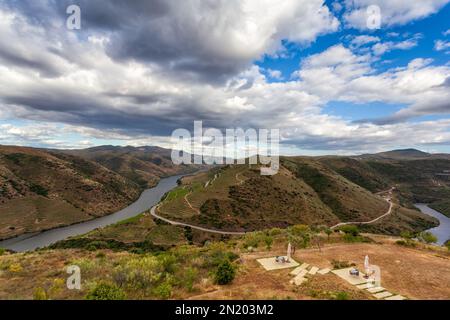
300 278
299 281
382 295
365 286
354 280
296 271
304 265
376 289
313 270
270 264
396 297
324 271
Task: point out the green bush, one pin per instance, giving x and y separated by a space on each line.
190 275
40 190
341 264
341 295
225 273
269 241
163 291
40 294
427 237
139 272
350 229
106 291
2 251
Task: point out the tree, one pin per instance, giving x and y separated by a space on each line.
328 232
350 229
427 237
225 273
406 235
269 241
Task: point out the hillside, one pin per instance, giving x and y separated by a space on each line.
188 272
41 190
424 180
238 198
142 165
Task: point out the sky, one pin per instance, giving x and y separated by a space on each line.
335 77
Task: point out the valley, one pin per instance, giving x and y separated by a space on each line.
175 235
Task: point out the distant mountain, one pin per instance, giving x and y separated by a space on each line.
402 154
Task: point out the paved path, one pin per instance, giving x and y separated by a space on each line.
175 223
388 212
189 204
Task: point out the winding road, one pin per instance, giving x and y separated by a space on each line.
175 223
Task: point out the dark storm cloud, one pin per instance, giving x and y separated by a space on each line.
149 31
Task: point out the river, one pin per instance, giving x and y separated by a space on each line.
147 200
442 232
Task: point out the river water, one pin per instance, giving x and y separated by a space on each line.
147 200
442 232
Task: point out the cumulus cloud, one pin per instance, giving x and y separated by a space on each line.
393 12
362 40
208 40
441 45
382 47
136 72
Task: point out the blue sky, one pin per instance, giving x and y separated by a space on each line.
310 68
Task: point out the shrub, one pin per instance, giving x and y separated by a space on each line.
190 274
275 231
406 235
139 272
95 245
189 235
350 229
2 251
168 262
328 232
15 268
269 241
106 291
39 190
164 290
40 294
341 295
427 237
225 273
341 264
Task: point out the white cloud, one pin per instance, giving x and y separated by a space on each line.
362 40
441 45
275 74
393 12
383 47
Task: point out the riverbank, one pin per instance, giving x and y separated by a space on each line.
146 201
442 232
